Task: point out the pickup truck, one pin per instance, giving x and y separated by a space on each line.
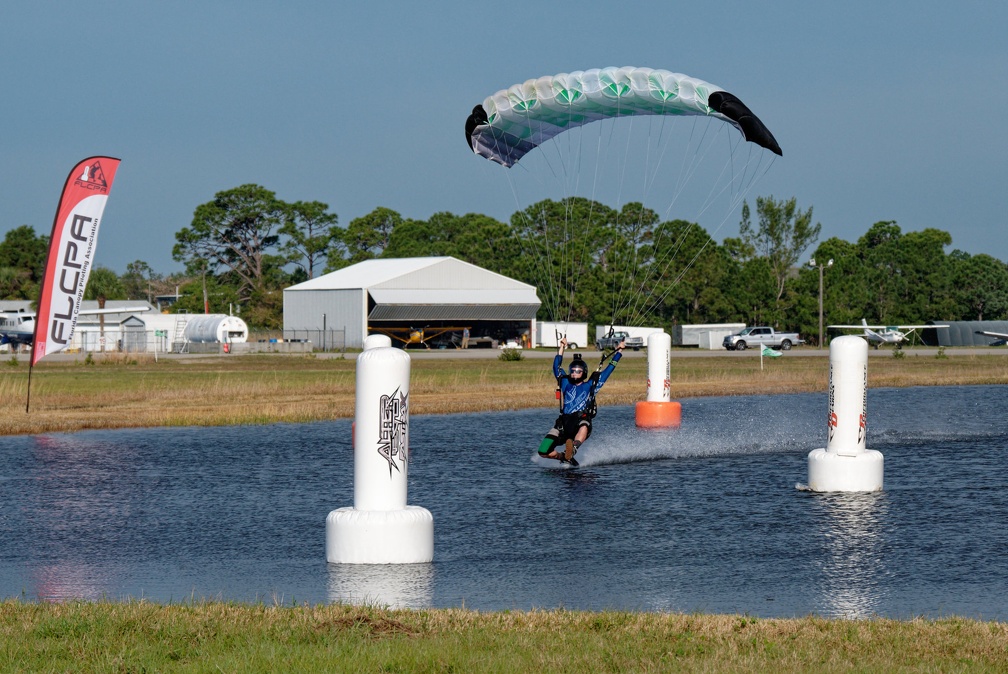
761 336
608 343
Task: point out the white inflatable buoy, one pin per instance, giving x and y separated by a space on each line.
658 410
845 464
380 528
376 341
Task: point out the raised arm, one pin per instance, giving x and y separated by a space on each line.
612 364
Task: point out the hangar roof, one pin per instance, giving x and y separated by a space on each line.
431 288
429 273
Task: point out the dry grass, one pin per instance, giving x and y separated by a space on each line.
119 392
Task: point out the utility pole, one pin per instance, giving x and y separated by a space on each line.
812 263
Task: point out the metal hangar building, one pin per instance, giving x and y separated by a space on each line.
419 302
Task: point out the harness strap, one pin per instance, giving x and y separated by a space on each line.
591 408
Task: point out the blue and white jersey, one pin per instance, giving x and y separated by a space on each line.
575 396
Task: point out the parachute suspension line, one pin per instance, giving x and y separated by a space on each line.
721 184
650 174
537 248
690 164
622 165
585 237
688 168
582 249
569 269
625 265
736 199
745 184
544 258
740 184
557 250
610 251
621 297
663 142
535 256
537 263
635 301
569 193
643 300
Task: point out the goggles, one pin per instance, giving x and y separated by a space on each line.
577 370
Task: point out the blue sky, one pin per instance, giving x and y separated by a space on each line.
885 111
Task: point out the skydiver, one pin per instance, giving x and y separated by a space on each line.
577 407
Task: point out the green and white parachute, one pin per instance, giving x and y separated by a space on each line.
515 120
620 177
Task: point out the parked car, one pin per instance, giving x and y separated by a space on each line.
761 336
608 343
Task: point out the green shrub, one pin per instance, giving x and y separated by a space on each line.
510 355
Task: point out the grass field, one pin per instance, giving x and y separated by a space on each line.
211 637
118 392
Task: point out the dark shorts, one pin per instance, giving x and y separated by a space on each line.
567 425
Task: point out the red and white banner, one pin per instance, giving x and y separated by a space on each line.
71 253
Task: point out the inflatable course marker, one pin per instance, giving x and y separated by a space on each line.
658 410
845 464
380 528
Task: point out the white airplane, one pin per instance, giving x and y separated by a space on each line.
18 327
885 334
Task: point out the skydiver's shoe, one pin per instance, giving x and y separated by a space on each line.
568 455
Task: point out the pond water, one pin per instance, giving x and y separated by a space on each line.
708 517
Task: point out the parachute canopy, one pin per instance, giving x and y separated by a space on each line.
514 121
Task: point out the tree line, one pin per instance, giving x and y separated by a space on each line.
588 261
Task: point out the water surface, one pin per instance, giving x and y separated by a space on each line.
705 518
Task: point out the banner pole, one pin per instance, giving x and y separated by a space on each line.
28 401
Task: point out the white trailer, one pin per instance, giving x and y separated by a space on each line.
705 336
546 334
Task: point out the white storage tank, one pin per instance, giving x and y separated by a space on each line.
213 328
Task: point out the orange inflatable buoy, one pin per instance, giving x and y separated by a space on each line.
651 414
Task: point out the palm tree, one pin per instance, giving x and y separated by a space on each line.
103 284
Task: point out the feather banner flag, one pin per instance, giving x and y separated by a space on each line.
71 253
769 353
